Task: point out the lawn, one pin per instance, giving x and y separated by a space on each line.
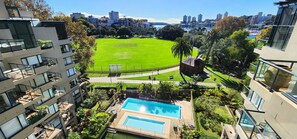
133 54
163 77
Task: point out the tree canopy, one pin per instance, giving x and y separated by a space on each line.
264 33
170 32
82 43
124 32
229 24
40 8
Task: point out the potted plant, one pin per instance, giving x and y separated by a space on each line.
282 80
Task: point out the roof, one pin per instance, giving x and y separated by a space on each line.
190 61
284 2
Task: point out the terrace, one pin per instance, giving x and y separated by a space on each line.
44 132
19 71
45 44
11 45
27 94
253 125
277 76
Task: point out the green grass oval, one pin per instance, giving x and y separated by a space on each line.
133 54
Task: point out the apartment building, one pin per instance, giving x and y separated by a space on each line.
39 86
270 106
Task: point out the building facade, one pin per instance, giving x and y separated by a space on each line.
77 15
270 106
114 16
200 18
39 84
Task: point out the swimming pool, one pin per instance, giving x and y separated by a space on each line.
152 107
146 124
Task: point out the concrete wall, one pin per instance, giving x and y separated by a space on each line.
3 11
5 34
281 114
261 91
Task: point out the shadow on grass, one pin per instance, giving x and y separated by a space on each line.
227 82
114 74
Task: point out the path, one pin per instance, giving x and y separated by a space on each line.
120 79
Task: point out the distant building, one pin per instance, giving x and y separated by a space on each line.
189 19
200 18
194 19
225 14
77 15
254 19
219 17
93 20
185 18
114 16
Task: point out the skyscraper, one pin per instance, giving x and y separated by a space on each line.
219 16
193 19
189 19
200 18
225 14
185 19
114 16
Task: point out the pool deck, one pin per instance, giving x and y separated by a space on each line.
168 133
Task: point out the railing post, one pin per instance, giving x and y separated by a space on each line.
271 87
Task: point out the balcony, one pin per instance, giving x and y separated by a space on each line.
7 46
59 91
45 44
19 71
276 75
254 127
27 95
45 132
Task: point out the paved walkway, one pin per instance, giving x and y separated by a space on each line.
120 78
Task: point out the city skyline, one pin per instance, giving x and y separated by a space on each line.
162 12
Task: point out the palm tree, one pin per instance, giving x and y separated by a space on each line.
212 37
180 50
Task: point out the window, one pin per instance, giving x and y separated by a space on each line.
53 108
41 79
68 60
256 100
71 72
65 48
7 100
76 94
13 126
47 95
35 61
73 83
283 27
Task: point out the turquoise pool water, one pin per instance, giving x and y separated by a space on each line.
146 124
152 107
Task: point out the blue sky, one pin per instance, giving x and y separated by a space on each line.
170 11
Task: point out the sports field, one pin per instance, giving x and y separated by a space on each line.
133 54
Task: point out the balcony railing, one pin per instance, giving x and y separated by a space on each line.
49 61
19 71
256 128
54 76
58 90
27 93
276 77
11 45
45 44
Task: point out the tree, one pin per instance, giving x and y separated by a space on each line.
229 24
165 89
146 89
83 44
264 33
212 37
40 8
74 135
170 32
123 32
181 49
